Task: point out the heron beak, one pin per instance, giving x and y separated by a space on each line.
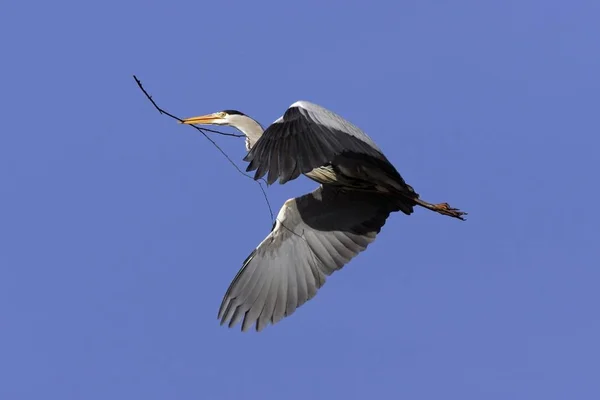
208 119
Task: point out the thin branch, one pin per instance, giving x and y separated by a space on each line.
203 132
162 111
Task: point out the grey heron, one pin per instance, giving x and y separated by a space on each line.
318 233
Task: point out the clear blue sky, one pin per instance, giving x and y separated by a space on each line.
121 230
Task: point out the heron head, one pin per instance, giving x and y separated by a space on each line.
225 117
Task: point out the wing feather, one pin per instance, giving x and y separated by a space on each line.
258 304
282 294
318 135
268 310
324 256
314 236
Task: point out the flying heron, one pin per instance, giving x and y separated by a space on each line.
318 233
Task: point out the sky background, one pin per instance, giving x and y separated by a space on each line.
120 230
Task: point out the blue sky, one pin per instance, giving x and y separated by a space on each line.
121 230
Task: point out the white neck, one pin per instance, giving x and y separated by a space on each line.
248 127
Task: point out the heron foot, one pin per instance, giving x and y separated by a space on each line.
442 208
445 209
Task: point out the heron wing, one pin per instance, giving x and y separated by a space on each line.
307 136
314 236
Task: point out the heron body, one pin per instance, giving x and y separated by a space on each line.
318 233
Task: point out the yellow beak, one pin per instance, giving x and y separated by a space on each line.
202 120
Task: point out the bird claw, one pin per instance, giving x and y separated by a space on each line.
445 209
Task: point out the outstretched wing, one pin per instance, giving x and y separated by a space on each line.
315 235
306 137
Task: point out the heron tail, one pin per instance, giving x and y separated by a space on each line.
405 198
406 205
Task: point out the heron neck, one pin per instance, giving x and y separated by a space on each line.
252 129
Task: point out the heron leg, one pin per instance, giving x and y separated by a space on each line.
442 208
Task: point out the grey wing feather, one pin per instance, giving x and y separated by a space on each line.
306 137
314 236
